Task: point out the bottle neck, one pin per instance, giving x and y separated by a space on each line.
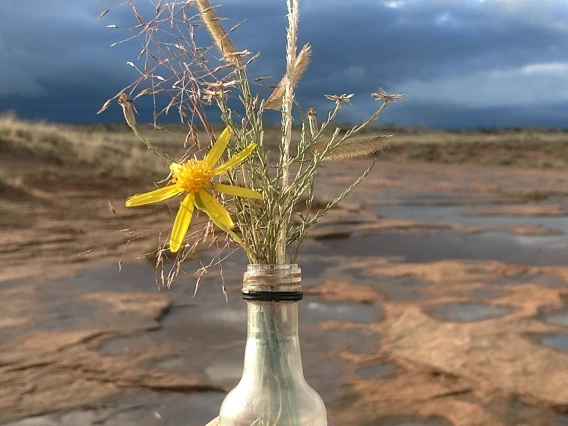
272 341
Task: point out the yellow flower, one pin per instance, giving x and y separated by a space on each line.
194 179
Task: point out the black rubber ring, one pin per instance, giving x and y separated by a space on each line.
273 296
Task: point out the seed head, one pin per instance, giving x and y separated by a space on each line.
340 99
381 95
128 109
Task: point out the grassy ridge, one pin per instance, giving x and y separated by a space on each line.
112 150
534 148
64 148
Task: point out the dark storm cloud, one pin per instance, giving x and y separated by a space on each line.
462 62
55 61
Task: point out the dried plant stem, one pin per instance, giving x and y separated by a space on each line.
128 110
287 104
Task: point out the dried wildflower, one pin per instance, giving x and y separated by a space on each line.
274 101
128 109
217 90
312 120
340 99
381 95
193 178
266 230
219 85
209 95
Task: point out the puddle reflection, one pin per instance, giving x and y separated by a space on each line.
468 312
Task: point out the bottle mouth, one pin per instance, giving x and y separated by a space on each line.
273 283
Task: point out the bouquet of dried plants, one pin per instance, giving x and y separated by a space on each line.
250 195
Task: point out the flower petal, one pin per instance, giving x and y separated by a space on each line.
181 224
237 191
199 204
153 196
219 147
237 159
214 209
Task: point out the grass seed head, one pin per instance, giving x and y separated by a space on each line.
274 101
218 33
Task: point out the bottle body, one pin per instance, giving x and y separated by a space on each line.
272 390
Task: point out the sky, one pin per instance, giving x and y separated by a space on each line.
462 63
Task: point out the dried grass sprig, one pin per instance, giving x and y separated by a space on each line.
274 101
178 70
360 148
287 104
298 235
217 32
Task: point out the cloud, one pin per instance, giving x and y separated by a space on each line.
460 61
529 85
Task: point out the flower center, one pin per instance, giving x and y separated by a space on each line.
191 176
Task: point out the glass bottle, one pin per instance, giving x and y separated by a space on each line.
272 390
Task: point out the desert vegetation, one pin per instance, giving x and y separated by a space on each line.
37 147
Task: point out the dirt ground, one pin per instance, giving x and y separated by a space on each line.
435 295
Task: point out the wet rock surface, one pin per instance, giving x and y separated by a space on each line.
442 311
